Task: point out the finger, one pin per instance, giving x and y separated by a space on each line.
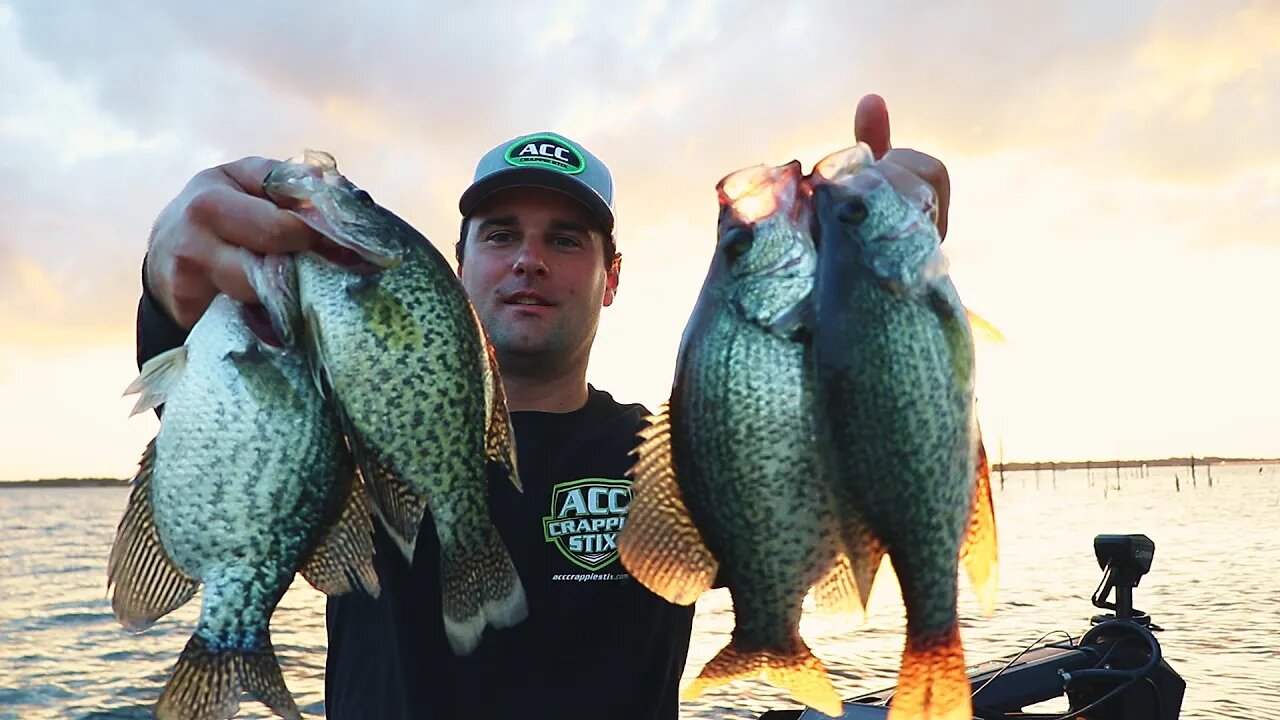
871 124
248 173
230 272
932 171
248 221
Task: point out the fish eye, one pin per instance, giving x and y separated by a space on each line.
363 197
852 211
736 243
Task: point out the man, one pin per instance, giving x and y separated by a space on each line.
537 257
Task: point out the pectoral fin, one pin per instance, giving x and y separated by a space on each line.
158 377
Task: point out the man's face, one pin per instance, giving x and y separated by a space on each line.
533 266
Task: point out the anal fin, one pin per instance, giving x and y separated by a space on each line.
979 552
866 554
659 544
838 591
343 560
396 503
147 584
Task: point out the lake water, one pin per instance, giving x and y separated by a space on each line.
1214 588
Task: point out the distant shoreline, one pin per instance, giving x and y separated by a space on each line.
1109 464
995 467
66 482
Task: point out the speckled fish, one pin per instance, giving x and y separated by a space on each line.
728 483
894 363
416 381
246 483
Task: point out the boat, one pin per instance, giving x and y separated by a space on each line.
1112 671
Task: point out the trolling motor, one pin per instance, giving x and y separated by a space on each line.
1115 671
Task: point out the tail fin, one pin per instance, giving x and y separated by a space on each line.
798 672
480 588
206 684
932 684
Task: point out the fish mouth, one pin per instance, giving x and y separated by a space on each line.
259 322
753 194
274 279
306 186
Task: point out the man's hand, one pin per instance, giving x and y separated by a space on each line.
912 173
204 238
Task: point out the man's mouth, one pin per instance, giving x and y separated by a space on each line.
527 298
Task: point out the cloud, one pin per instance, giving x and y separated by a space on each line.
1090 142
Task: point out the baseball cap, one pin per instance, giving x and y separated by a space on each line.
548 160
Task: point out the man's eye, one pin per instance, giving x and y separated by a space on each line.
567 241
501 236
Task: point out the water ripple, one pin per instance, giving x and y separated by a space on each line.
1212 588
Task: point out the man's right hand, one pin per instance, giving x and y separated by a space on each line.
205 237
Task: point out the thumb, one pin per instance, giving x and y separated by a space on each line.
871 124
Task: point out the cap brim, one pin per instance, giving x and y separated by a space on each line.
537 177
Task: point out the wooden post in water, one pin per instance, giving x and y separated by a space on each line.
1037 474
1177 486
1193 471
1001 462
1208 473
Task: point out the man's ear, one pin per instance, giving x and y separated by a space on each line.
611 276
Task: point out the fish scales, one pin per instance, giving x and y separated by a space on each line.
241 488
401 351
740 498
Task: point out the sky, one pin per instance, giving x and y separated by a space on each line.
1115 172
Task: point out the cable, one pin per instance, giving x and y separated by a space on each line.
1115 691
1029 648
1155 690
1129 677
1111 673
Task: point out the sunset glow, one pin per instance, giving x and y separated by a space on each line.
1115 181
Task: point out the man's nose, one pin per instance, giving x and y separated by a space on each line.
530 260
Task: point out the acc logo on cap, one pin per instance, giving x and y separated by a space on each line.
546 151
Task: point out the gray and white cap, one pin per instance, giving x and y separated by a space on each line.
547 160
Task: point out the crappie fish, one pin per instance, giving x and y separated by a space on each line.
894 361
247 482
410 368
728 482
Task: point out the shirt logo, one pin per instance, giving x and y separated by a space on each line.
585 518
547 151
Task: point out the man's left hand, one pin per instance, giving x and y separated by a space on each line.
913 173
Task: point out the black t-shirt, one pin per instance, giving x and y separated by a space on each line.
596 643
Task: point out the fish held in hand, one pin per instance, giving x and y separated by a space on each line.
727 482
246 483
894 361
401 351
